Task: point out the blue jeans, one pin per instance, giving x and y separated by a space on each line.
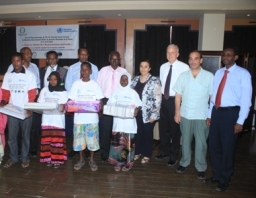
14 125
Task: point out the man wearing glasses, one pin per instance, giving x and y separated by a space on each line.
108 80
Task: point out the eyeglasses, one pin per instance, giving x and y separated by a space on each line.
114 59
227 55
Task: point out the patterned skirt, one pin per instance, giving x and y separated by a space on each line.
53 145
122 149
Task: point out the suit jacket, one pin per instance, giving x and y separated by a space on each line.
61 70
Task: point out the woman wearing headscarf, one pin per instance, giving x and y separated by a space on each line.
124 129
53 141
149 89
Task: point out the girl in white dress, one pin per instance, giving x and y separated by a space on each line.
124 129
53 139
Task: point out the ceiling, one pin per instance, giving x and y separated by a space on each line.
14 10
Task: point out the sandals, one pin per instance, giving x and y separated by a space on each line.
8 164
126 168
144 160
93 166
136 157
117 168
25 164
56 165
79 165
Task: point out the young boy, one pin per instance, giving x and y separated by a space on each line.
86 127
19 87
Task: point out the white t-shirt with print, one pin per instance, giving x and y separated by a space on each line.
19 84
85 91
59 97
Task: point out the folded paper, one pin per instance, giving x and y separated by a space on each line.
50 108
14 111
83 106
41 106
122 111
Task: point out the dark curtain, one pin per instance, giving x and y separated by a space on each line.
99 41
151 44
243 37
186 40
7 47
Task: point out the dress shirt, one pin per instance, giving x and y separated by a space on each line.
49 70
237 91
177 68
195 93
75 74
105 79
33 68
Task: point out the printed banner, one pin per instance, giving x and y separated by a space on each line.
63 39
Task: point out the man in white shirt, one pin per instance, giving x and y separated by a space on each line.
169 129
19 87
35 129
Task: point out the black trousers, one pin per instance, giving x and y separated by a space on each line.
144 137
169 130
35 132
105 132
222 143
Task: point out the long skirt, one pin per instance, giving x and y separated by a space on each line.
122 149
53 145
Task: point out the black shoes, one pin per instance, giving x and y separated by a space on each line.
33 154
222 187
210 181
161 156
201 175
72 153
103 159
172 162
181 169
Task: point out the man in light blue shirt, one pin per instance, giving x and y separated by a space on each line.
74 70
229 107
193 89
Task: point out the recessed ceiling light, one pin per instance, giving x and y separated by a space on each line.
248 15
119 15
39 17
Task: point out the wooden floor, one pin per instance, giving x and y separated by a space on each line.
152 180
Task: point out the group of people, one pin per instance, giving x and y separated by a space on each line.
187 100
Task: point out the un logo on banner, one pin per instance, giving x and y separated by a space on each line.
22 30
34 55
59 30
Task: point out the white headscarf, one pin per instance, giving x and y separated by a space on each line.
128 86
125 91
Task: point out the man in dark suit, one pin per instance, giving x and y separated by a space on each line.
52 60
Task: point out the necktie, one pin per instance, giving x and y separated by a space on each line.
113 81
220 89
167 84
